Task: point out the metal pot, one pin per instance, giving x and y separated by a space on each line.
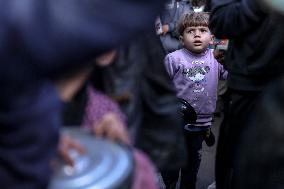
105 165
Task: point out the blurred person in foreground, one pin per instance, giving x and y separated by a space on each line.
254 60
41 40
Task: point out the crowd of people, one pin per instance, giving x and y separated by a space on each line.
67 63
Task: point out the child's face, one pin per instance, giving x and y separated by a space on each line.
196 39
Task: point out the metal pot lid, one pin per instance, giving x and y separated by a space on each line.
105 165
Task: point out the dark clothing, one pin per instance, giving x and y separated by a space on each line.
255 55
194 145
170 178
74 111
254 59
194 140
260 154
40 40
28 137
160 106
238 107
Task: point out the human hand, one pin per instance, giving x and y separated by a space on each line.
112 128
165 29
67 143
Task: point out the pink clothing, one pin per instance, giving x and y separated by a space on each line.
145 173
98 104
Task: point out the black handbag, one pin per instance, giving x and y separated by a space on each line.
187 112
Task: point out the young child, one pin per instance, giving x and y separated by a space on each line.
195 73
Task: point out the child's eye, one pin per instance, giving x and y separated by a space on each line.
203 30
190 31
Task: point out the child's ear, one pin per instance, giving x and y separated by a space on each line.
181 39
212 40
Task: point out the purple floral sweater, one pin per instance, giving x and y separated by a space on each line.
196 77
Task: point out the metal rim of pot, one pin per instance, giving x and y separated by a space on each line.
106 165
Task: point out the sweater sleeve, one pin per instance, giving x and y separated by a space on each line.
234 18
170 67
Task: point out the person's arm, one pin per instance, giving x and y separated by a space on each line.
234 18
52 33
170 67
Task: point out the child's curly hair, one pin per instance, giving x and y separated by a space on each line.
193 19
198 3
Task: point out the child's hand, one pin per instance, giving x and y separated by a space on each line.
66 144
112 128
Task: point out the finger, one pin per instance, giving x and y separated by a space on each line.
118 133
102 126
77 146
112 127
112 134
125 138
99 128
66 157
122 134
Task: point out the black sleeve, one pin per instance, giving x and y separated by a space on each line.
234 18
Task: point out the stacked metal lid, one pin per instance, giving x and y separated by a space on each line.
105 165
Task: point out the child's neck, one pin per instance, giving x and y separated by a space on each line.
197 54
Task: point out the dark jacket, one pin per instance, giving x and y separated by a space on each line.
256 49
260 153
40 40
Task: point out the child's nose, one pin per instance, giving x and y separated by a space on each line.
197 33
